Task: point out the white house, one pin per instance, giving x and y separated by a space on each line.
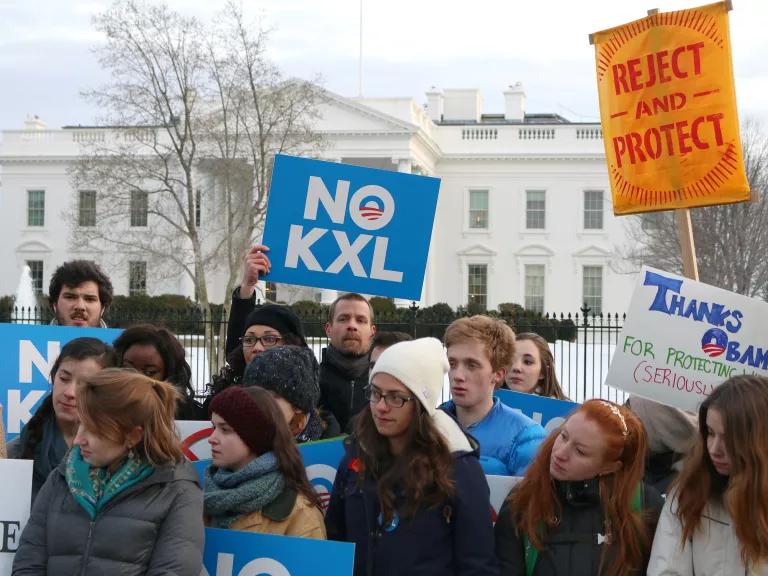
524 212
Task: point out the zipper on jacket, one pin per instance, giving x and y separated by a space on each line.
87 551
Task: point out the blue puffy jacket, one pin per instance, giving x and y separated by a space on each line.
451 540
505 435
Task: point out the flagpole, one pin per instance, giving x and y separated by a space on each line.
360 59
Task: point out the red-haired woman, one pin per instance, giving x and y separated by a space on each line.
581 508
715 522
123 500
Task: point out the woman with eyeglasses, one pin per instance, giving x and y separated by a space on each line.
265 327
410 492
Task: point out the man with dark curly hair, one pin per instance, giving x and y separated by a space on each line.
79 294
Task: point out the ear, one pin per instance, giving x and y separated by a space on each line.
497 377
134 436
611 468
373 329
328 329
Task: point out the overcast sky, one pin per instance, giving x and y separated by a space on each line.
408 46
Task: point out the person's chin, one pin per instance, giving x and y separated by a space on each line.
557 472
352 348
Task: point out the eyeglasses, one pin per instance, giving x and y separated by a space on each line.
268 340
391 399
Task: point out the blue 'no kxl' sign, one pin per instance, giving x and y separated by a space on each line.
349 228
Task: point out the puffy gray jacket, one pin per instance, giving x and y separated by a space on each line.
713 551
151 529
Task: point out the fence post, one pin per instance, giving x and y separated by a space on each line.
585 311
414 308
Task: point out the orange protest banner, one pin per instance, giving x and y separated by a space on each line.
668 111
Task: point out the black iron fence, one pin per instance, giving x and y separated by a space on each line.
582 343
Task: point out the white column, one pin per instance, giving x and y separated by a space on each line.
328 296
403 165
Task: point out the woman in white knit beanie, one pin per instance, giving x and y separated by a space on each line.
410 492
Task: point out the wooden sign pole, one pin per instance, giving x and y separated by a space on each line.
687 245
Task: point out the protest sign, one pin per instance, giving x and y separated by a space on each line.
683 338
349 228
549 412
668 111
15 499
194 438
29 353
235 553
500 487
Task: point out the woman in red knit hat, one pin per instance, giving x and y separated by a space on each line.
257 481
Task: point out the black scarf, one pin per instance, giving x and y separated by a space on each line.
350 365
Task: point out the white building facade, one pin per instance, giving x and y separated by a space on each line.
524 213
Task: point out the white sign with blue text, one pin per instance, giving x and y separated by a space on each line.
349 228
683 338
29 352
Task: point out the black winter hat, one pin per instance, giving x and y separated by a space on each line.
281 318
289 371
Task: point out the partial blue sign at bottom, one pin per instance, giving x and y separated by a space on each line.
235 553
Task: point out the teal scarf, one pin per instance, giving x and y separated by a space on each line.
93 487
229 495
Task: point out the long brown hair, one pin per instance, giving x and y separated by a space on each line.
534 501
548 386
742 402
423 470
115 401
284 446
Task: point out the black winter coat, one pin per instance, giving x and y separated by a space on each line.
154 528
451 540
574 546
342 387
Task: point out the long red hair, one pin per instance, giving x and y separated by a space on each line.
535 504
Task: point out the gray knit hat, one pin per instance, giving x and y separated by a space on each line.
289 371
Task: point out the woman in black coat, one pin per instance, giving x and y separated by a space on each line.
410 492
581 509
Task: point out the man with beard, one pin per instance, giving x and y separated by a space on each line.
344 369
79 294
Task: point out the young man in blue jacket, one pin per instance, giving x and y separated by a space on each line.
479 350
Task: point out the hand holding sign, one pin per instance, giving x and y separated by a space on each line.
255 264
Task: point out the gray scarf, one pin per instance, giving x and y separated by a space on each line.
229 495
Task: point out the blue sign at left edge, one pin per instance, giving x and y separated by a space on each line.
350 228
28 353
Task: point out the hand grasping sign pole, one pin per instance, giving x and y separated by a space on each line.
668 113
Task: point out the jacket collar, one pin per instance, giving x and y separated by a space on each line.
282 506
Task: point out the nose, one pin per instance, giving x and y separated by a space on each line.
381 405
69 390
213 439
79 437
516 365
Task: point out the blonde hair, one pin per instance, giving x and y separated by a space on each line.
115 401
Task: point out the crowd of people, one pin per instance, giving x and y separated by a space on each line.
640 488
